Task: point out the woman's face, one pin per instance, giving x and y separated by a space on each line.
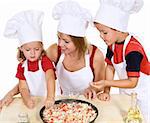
66 44
32 51
107 34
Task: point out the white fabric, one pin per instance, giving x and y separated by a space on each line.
36 80
25 26
115 13
73 19
76 81
142 88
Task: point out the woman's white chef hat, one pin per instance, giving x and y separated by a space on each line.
73 19
26 26
115 13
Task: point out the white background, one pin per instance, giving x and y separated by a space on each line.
139 24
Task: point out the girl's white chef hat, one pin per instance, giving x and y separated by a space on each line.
73 19
115 13
26 26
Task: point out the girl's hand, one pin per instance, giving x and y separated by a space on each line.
49 102
89 93
30 103
6 100
103 96
98 85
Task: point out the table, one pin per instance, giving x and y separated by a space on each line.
111 111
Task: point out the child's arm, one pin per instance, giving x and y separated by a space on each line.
99 73
131 82
50 78
8 98
25 93
109 75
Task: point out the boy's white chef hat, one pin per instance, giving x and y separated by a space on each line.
73 19
26 26
115 13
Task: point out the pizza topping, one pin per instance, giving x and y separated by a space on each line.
74 112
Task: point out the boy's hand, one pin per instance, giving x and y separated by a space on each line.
49 102
103 96
98 85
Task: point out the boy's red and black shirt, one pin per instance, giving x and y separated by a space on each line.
135 57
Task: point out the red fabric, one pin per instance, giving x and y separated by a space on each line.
133 74
134 45
108 61
47 64
92 58
58 54
118 53
20 72
33 66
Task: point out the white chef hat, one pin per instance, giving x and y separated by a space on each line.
73 19
26 26
115 13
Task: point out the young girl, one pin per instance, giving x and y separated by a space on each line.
125 54
36 72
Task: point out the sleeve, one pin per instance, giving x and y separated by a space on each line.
47 63
20 72
134 56
133 61
109 55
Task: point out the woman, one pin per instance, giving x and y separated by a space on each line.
77 62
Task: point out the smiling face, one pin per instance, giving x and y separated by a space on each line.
32 51
66 44
109 35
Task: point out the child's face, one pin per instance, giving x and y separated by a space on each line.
66 44
107 34
32 51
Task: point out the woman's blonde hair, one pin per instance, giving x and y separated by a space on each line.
81 44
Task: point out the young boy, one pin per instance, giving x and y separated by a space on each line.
125 54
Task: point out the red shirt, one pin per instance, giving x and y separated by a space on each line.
135 57
33 66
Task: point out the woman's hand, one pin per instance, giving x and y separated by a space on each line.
89 93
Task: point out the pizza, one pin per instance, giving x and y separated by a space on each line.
70 112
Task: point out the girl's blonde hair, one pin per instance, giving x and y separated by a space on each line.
21 57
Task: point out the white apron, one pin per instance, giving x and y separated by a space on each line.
74 81
36 80
143 87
